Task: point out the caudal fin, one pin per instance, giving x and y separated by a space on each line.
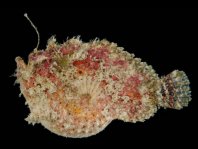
175 90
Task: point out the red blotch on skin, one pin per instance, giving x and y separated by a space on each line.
65 51
78 62
100 54
93 60
44 71
115 78
46 64
134 80
133 93
131 88
54 79
103 83
94 65
120 63
69 49
86 64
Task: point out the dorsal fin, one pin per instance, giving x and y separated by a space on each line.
35 28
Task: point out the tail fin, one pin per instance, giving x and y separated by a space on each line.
175 90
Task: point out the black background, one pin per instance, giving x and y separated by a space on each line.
165 38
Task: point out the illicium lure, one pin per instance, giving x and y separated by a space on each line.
76 89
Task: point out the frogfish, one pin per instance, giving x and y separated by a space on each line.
75 89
